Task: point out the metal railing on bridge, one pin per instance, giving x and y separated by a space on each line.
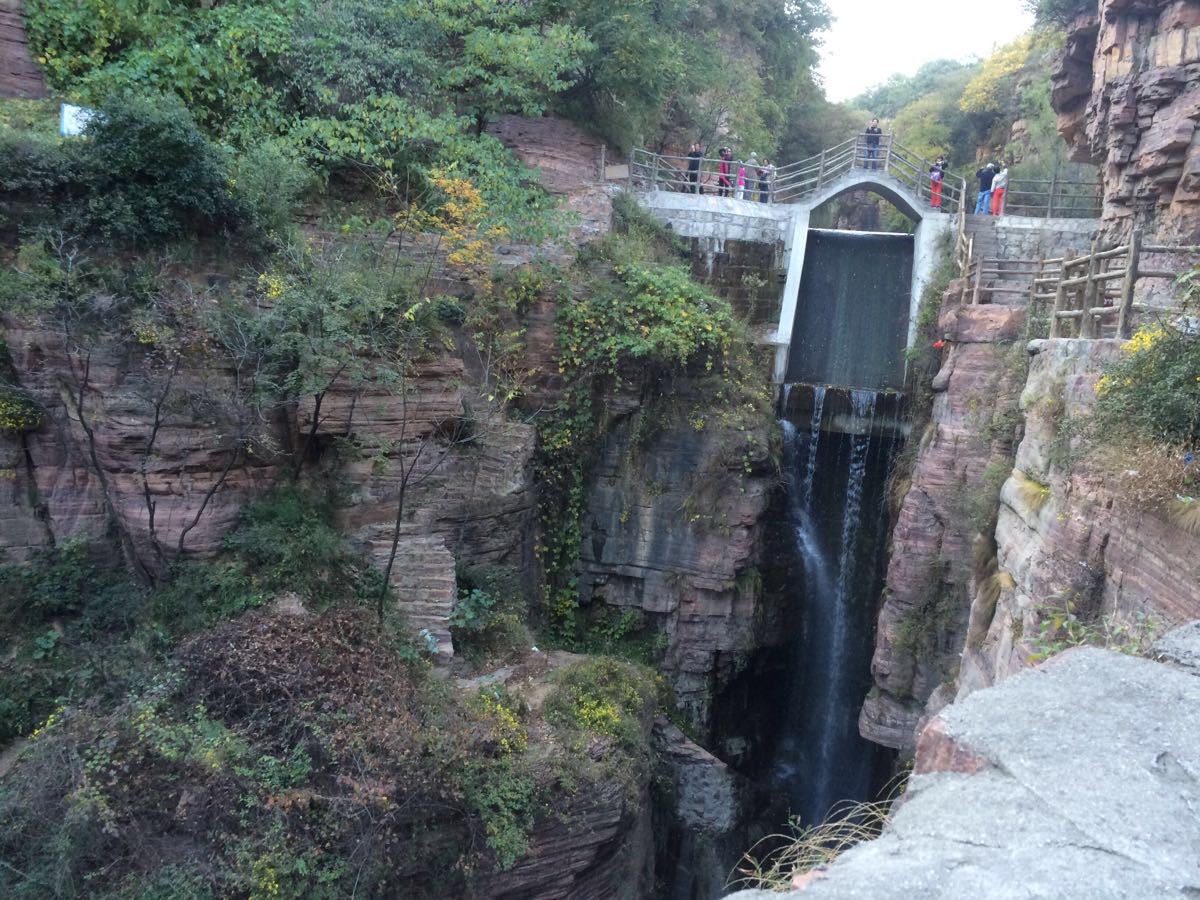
796 180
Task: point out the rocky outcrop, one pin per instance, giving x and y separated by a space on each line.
19 76
1127 93
948 503
673 530
705 804
568 160
1070 536
203 464
1076 779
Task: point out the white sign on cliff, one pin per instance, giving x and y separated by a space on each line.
72 120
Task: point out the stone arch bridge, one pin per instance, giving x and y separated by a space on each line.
665 190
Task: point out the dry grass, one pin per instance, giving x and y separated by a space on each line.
775 861
1155 477
1030 493
1185 515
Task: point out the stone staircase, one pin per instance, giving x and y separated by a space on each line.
1008 247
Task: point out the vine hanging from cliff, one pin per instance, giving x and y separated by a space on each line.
630 324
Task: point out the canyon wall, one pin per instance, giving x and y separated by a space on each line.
1070 535
1127 93
947 504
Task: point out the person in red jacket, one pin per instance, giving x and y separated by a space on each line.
724 185
937 173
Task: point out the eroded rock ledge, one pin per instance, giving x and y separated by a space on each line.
1080 778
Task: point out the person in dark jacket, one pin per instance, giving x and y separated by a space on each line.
985 175
694 157
874 132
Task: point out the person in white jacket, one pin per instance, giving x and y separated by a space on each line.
999 189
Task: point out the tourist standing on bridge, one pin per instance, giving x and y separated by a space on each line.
986 176
741 176
999 189
874 132
694 157
937 173
724 185
766 174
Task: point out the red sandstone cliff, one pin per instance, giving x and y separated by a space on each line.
1127 94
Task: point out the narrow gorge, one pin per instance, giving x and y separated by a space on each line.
420 478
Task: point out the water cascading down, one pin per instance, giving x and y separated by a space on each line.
838 447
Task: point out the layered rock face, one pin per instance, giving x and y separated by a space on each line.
923 617
194 476
1077 779
1070 536
19 76
1127 93
674 530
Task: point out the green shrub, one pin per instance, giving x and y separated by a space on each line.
289 543
64 581
1152 390
602 696
19 412
1060 12
151 175
270 183
488 621
199 593
503 793
35 167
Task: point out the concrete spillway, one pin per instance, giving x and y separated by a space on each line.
852 313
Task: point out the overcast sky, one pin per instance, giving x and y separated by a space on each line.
872 39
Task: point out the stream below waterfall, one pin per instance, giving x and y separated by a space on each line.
836 466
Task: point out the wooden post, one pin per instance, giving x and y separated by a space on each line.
1087 325
978 282
1060 298
1050 199
1124 316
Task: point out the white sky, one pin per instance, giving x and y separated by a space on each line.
872 39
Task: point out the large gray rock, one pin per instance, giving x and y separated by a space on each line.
1180 647
1080 778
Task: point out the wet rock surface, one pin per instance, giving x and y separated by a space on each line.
1080 778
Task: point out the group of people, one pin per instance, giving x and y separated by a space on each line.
993 185
746 179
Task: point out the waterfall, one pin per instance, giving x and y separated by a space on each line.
852 310
834 488
814 439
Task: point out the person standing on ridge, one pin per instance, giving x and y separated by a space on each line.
985 175
999 189
724 185
694 157
937 173
874 132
